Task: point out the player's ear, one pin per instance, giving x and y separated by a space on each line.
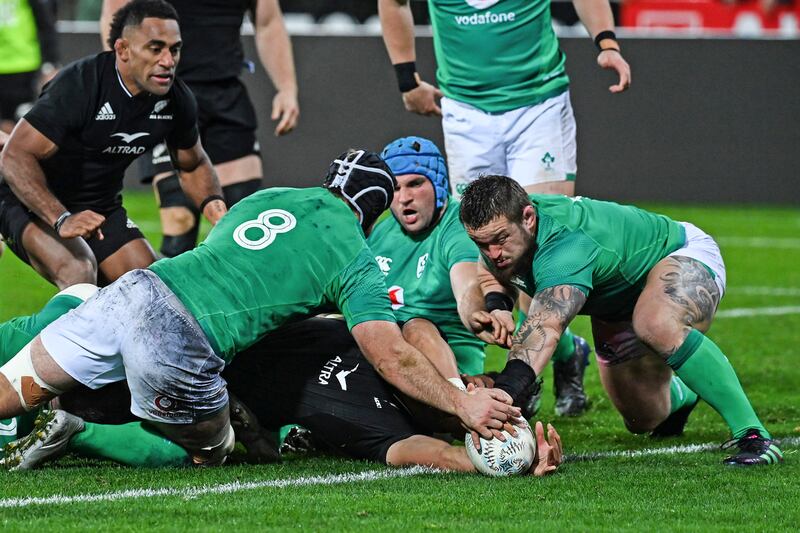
529 217
121 48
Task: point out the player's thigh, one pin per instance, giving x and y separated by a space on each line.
634 377
473 144
680 295
123 247
238 170
172 370
541 146
63 262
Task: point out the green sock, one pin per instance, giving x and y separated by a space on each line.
680 395
705 369
566 344
131 444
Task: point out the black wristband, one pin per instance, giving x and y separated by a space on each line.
60 220
498 301
607 34
210 199
406 81
516 378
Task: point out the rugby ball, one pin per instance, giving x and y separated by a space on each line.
497 458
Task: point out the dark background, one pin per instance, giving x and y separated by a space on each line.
706 120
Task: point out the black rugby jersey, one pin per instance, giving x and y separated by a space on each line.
100 129
212 46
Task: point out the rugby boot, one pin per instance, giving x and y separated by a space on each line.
49 439
754 450
259 443
673 425
571 399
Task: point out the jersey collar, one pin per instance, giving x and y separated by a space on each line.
121 83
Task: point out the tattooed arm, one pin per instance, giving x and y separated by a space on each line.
551 311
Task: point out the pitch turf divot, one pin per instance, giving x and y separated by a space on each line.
225 488
790 442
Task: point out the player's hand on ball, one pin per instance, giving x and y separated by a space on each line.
484 411
549 455
422 99
514 454
84 224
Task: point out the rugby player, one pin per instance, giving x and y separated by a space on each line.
279 255
211 63
430 268
60 203
312 373
650 285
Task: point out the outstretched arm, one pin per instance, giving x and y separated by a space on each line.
485 320
275 52
397 23
406 368
596 16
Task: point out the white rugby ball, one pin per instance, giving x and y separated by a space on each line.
497 458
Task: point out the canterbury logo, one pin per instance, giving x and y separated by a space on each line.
129 137
105 113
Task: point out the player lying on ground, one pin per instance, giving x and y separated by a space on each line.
650 285
61 195
279 255
429 263
313 373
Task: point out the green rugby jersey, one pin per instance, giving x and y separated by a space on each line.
14 335
278 255
604 249
417 270
497 55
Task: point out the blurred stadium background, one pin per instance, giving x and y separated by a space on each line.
712 115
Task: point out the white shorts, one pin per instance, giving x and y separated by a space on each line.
533 144
702 247
137 329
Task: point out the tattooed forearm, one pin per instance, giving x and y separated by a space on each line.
688 284
551 311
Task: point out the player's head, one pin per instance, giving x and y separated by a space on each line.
498 215
147 40
363 180
422 186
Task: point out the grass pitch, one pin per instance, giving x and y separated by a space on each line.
613 480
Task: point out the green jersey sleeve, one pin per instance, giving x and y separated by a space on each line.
456 244
360 292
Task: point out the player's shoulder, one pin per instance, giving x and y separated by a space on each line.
83 76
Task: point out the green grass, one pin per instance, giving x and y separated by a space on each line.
676 492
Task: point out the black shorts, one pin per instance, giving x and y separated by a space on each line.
118 229
15 90
227 122
311 373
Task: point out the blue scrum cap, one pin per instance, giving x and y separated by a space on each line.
417 155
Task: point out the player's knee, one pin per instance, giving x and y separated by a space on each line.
238 191
660 331
72 271
172 245
25 382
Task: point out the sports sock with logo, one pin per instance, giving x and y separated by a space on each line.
705 369
680 395
566 344
131 444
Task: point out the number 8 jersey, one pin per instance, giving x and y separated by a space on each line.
278 255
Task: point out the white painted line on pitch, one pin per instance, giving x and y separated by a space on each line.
789 442
759 242
758 311
765 291
226 488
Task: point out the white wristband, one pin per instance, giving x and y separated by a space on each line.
457 383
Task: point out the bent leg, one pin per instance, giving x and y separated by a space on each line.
62 262
131 256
